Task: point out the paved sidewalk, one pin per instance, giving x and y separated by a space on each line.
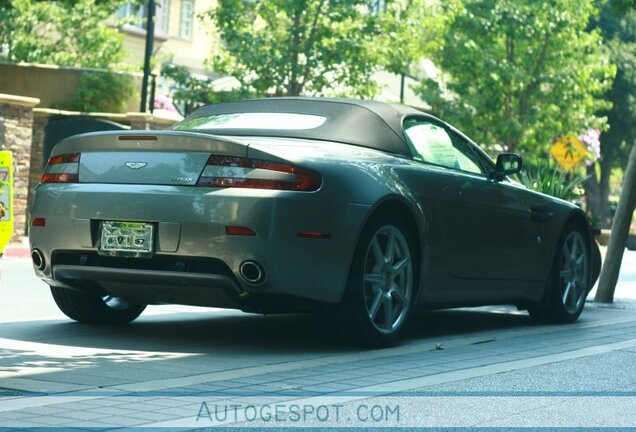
346 380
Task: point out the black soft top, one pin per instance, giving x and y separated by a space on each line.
365 123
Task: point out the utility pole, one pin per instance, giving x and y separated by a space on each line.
150 36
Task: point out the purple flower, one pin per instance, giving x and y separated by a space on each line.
591 139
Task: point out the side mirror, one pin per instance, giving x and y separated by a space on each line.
507 164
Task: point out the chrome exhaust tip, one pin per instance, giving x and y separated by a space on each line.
38 259
252 272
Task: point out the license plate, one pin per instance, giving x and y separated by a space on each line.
126 239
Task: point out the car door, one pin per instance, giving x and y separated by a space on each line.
485 226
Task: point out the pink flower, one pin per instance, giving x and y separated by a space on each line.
591 139
164 102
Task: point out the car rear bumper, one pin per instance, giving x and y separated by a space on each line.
192 252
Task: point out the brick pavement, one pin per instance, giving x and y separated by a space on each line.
344 378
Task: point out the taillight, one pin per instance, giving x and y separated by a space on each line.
224 171
62 169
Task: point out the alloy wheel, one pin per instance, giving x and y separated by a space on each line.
573 272
388 279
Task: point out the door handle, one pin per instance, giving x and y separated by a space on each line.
450 190
540 213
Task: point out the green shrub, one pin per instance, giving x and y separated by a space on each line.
550 179
103 92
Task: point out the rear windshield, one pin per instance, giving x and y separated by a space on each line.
273 121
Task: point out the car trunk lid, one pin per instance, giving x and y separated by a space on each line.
140 157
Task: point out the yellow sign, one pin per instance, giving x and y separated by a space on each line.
6 198
568 151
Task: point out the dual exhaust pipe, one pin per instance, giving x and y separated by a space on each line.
38 259
250 271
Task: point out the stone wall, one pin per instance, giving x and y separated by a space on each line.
16 125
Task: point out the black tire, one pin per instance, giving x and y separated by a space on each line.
351 319
569 281
92 309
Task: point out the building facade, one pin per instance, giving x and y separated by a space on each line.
181 36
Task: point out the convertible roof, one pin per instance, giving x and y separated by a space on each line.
365 123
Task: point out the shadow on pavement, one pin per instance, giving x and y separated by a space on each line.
244 333
177 345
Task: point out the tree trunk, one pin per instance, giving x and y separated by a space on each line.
606 171
620 232
593 194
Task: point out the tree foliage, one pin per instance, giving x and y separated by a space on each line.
103 91
193 92
619 38
66 32
292 47
624 211
623 6
521 72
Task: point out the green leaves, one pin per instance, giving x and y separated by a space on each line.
619 33
194 92
550 179
316 47
67 33
103 92
521 72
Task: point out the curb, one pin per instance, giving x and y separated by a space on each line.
17 250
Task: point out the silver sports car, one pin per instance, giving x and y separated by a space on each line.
358 211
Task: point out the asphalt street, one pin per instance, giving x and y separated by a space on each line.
186 367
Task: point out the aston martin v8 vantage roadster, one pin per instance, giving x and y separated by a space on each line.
358 211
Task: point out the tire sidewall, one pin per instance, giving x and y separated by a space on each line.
91 309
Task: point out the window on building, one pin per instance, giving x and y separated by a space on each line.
136 16
187 19
163 17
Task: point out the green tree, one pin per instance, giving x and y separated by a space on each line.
521 72
67 32
624 211
623 6
619 35
293 47
194 92
103 91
